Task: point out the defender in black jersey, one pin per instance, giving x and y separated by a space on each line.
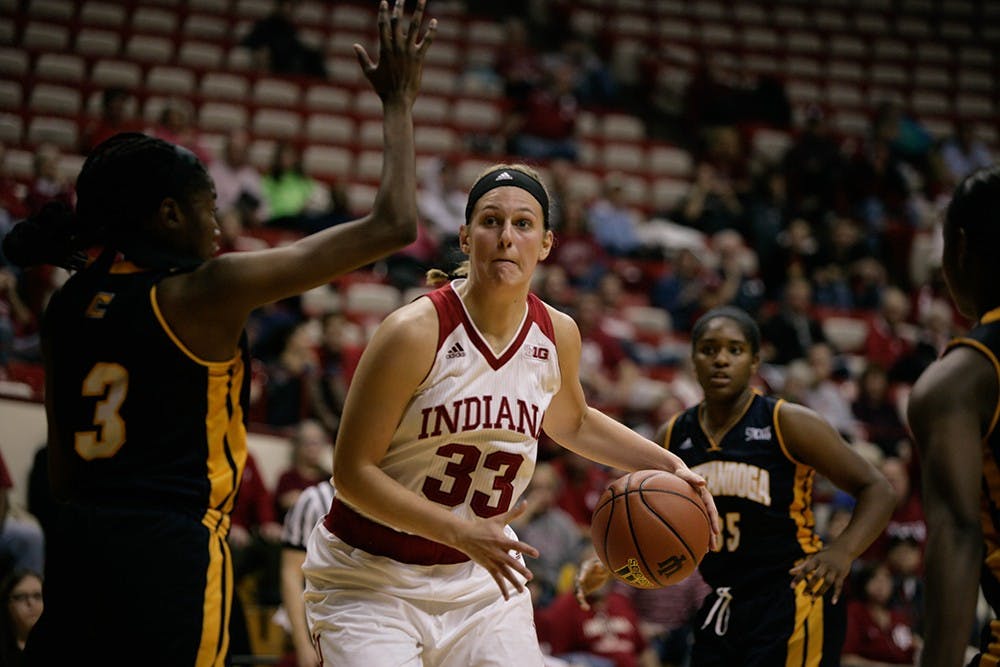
775 585
953 413
146 377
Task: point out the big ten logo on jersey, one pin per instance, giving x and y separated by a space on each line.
754 433
99 305
536 352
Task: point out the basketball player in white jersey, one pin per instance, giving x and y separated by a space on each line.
415 564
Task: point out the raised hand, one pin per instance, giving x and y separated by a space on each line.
396 75
487 544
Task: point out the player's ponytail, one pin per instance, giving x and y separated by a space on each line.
438 277
51 236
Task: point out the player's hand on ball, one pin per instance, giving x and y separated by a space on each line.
488 545
592 576
698 482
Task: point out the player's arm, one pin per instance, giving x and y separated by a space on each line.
391 368
950 409
809 439
596 436
223 291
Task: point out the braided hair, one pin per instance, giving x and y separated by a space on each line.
120 186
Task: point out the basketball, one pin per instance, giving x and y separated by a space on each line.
650 529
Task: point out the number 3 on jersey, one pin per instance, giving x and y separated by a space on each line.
109 381
464 461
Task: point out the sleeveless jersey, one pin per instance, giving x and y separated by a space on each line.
142 422
985 337
763 495
469 436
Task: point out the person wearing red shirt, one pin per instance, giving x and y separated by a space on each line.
310 452
876 634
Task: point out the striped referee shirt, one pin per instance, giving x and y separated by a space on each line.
310 508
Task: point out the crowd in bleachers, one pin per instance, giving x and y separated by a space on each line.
788 158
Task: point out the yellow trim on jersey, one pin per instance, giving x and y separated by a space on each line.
177 341
996 367
991 316
126 267
218 600
224 425
805 646
670 430
801 507
992 655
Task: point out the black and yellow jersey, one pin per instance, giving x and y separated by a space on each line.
985 337
763 495
141 421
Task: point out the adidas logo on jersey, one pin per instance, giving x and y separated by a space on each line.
455 351
503 176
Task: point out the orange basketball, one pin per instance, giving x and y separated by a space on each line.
650 528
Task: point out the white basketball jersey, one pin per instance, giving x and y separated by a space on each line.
469 437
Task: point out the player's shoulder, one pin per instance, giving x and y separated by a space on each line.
410 323
960 376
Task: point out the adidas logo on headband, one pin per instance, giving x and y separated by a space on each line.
504 176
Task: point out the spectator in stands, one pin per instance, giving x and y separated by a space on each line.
310 465
17 324
608 628
12 194
905 560
234 237
612 222
22 600
604 366
737 282
877 413
276 46
114 118
552 286
582 483
710 98
814 167
680 291
907 521
876 634
825 394
238 186
176 125
768 211
711 204
890 338
876 188
441 202
22 543
255 543
797 256
552 531
576 250
520 66
47 183
542 124
338 354
846 247
289 193
963 152
906 137
790 332
290 375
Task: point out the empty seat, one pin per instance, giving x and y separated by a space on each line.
102 14
848 334
368 166
59 131
221 116
371 133
852 123
371 298
327 161
51 9
435 139
345 70
930 102
239 59
200 54
844 95
846 70
430 109
349 16
253 9
760 38
360 197
149 49
327 98
277 123
11 96
328 128
623 156
91 42
177 80
218 85
976 106
45 36
801 41
13 62
55 99
367 103
669 161
476 115
116 73
276 92
438 80
262 153
771 144
11 125
59 67
154 19
934 77
667 193
803 92
887 73
205 26
622 126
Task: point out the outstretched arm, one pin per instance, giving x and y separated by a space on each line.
223 291
949 410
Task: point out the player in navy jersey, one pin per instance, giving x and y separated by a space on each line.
953 412
775 585
415 563
146 377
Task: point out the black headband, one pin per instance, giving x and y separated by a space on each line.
504 177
